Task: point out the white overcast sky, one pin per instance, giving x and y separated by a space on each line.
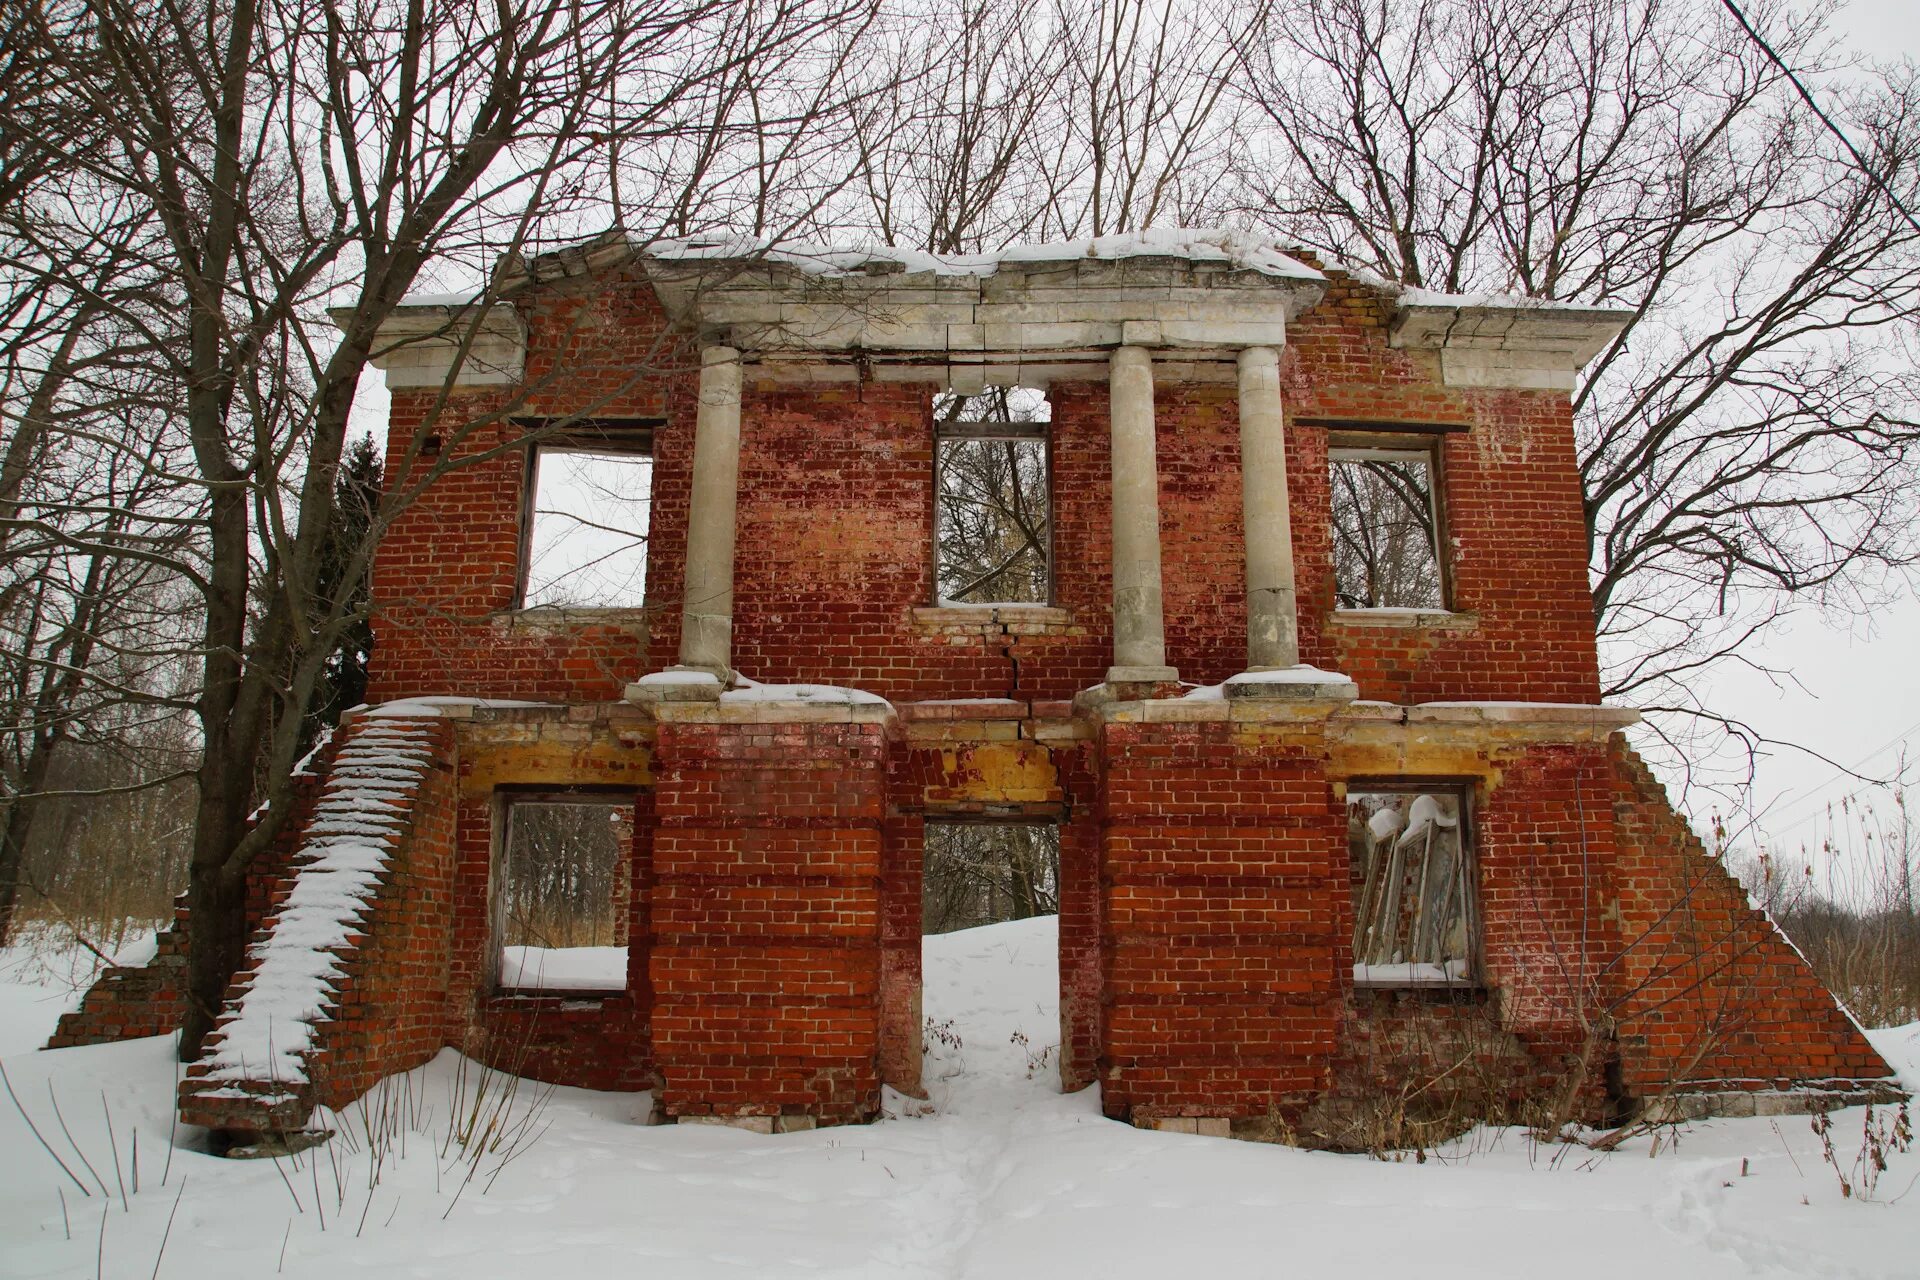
1855 698
1856 694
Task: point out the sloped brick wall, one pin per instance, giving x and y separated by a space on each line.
767 919
1713 995
387 1011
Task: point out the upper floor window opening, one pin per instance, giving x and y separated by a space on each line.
588 508
1388 529
993 509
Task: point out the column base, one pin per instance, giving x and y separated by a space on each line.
1298 683
1143 675
680 684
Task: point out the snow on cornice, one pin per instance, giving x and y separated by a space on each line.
1233 249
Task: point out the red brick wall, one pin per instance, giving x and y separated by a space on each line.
448 566
592 1041
1512 510
1224 919
1545 853
835 550
1711 991
767 919
836 516
1202 560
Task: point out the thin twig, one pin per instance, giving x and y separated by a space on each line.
76 1146
113 1145
169 1231
35 1130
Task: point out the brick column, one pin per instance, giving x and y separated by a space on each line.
1139 629
1273 639
706 606
766 914
1082 983
1224 867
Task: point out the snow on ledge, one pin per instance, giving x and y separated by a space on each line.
1236 249
1451 974
823 694
678 678
415 708
359 816
563 968
1299 674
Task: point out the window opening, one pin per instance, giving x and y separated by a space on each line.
978 873
1413 885
589 506
993 525
564 892
1386 526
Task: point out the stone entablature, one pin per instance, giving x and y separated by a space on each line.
1025 317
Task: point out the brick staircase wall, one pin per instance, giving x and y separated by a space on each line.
346 979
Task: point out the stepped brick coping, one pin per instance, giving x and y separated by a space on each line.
361 813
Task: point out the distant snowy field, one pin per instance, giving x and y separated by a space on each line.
1000 1176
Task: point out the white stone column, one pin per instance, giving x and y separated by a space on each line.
706 610
1139 634
1273 639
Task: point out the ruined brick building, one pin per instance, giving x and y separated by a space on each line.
1338 804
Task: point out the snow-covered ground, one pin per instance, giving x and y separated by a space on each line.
999 1176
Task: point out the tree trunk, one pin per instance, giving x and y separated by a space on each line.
217 910
13 855
19 826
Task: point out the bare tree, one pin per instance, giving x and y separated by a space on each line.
1748 444
299 154
988 872
1000 124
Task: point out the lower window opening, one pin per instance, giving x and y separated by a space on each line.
1414 908
564 893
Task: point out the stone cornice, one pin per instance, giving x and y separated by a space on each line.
1534 346
452 345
